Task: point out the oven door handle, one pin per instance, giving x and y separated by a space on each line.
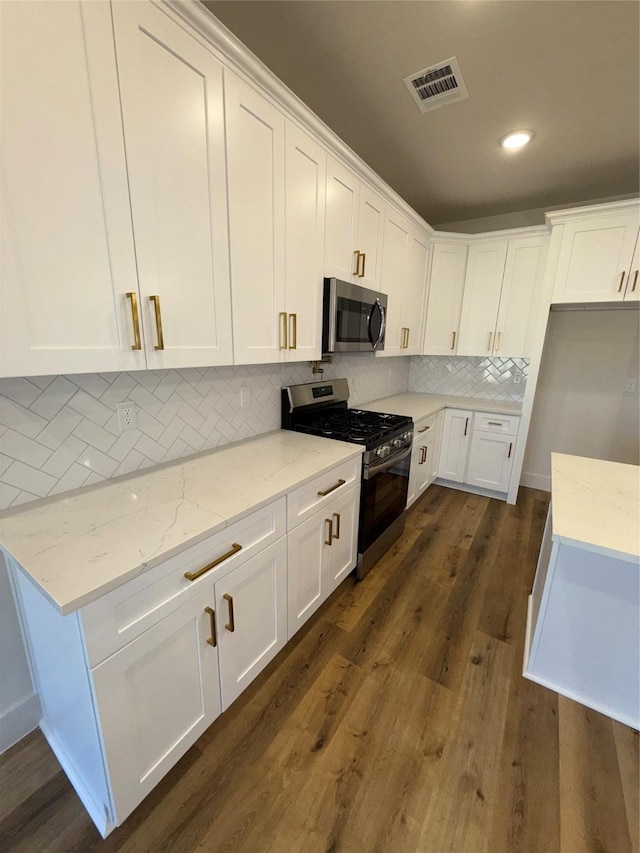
383 322
389 462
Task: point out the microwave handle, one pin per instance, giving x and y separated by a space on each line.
383 323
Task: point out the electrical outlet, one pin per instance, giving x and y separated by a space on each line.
126 415
517 377
630 386
245 397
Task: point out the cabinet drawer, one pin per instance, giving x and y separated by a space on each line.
307 499
424 427
120 616
504 424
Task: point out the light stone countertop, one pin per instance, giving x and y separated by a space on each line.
596 505
80 545
419 406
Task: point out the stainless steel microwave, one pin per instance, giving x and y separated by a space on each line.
353 317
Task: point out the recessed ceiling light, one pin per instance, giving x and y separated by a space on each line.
516 140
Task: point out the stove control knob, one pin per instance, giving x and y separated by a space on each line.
397 442
382 451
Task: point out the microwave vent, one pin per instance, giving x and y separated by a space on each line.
437 85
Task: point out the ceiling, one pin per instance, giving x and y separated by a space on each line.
566 69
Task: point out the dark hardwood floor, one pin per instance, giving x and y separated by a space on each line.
397 720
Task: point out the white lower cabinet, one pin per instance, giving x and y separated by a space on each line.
424 455
321 552
155 697
478 449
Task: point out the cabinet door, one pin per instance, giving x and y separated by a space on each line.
424 464
490 461
371 224
446 286
523 273
414 297
306 547
67 241
251 603
343 198
172 105
482 287
306 167
394 272
255 160
632 292
154 698
595 258
343 552
456 432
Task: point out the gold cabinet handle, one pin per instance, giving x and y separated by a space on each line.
423 456
329 539
495 423
510 449
156 306
490 339
406 346
282 317
212 639
357 269
635 280
466 425
622 280
498 336
135 317
192 576
230 625
331 489
363 255
424 429
336 535
293 321
453 340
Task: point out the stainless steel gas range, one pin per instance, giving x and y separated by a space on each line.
321 408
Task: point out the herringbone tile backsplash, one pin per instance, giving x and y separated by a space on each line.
487 378
61 432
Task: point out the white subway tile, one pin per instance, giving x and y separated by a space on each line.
54 397
97 461
29 479
21 391
64 457
24 449
72 479
15 416
59 428
86 406
94 435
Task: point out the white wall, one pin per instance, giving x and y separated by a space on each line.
581 406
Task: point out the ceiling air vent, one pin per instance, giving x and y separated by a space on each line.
437 85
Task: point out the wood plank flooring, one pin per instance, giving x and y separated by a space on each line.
396 721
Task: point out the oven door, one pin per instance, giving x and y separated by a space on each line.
354 318
384 496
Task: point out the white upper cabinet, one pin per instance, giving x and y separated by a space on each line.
256 193
483 283
596 261
354 229
395 255
446 286
502 280
414 297
172 105
305 167
67 245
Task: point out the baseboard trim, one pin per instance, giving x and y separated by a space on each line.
536 481
17 721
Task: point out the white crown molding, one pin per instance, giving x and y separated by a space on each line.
484 236
235 55
612 208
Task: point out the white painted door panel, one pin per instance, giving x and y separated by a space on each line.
306 547
523 273
394 272
67 244
414 297
482 286
490 461
172 103
343 194
632 292
252 622
255 160
456 433
446 286
343 552
306 168
371 223
595 258
155 697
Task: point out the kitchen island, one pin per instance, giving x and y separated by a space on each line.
583 624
